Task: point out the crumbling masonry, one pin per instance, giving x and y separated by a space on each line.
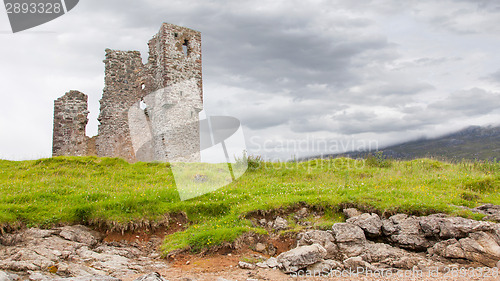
147 111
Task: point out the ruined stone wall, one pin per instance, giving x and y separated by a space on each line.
175 67
70 120
175 56
122 88
150 112
170 88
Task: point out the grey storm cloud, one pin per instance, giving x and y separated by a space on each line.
471 102
495 77
462 16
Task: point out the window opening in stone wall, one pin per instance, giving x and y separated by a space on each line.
185 48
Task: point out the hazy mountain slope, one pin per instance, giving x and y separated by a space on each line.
471 143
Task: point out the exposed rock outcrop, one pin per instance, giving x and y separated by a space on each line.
398 242
71 253
301 257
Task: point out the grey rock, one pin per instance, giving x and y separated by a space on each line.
406 232
411 241
350 240
40 233
246 265
388 227
408 262
273 262
444 227
481 247
89 278
376 252
155 276
301 214
124 252
370 223
259 247
66 249
347 232
79 233
14 265
301 257
478 246
448 249
351 212
357 263
31 233
324 238
76 269
5 276
491 211
280 224
324 266
262 265
392 256
38 276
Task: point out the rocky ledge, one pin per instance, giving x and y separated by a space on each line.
401 242
365 241
73 253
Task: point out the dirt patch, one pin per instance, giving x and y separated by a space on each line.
285 212
283 243
143 235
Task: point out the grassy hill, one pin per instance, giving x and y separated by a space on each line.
113 194
473 143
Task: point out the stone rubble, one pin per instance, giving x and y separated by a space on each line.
301 257
366 241
280 224
398 242
70 253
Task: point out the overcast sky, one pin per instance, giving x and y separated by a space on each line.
342 73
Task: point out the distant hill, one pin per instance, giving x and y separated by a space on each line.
481 143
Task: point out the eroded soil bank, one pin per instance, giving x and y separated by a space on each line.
399 247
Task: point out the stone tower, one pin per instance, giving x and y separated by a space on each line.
70 120
122 88
149 112
175 94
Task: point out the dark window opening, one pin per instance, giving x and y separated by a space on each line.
185 48
175 34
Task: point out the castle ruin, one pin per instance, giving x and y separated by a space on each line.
148 112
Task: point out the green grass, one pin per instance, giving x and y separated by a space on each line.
112 192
